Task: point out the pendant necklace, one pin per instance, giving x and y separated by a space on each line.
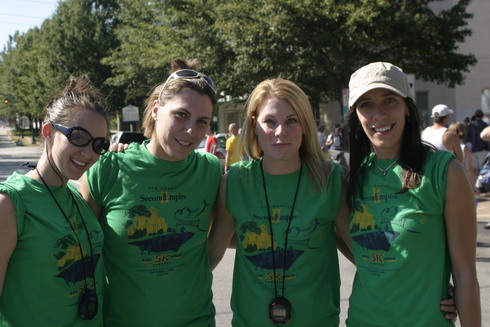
385 171
279 307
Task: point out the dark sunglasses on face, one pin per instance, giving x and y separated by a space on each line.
79 136
188 74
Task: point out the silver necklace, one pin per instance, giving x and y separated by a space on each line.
385 171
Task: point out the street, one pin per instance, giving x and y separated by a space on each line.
12 157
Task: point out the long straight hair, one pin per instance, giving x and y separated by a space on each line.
412 155
310 151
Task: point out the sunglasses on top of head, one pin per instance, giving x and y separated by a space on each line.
189 74
79 136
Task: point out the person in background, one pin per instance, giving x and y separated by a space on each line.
51 270
335 144
460 129
413 218
335 140
479 147
211 143
233 153
438 134
284 206
485 136
244 153
155 203
320 133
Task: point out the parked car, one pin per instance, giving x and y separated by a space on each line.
221 146
128 137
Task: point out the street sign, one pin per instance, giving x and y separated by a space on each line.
131 113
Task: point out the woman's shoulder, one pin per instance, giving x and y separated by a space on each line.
244 169
438 155
208 161
437 159
17 181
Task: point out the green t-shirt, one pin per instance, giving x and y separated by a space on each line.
155 217
399 243
311 277
46 272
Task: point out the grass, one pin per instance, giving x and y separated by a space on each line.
26 139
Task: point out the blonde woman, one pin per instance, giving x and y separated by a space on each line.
284 206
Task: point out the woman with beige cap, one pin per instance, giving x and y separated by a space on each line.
413 220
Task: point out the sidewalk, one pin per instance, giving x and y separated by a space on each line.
12 156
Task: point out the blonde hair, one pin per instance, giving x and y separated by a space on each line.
310 151
167 90
459 128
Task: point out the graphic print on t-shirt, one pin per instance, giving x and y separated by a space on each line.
75 262
370 235
256 241
153 233
376 225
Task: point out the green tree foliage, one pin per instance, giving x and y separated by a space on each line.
74 40
319 43
126 46
152 33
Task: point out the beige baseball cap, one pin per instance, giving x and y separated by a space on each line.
378 75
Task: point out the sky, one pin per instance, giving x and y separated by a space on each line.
21 15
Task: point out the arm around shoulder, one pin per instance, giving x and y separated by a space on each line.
460 219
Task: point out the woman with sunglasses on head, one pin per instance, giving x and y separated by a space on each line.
284 207
154 201
413 221
50 241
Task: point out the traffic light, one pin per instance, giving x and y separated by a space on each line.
6 101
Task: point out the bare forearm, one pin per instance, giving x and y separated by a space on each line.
467 296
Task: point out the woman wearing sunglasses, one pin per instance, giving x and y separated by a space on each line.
50 241
154 201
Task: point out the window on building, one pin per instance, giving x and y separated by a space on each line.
485 100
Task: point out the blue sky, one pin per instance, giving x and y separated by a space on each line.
21 15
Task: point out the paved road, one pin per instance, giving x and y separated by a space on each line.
11 157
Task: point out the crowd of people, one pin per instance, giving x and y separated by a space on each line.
137 245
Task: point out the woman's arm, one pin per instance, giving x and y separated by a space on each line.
460 219
344 241
8 234
222 230
84 190
485 134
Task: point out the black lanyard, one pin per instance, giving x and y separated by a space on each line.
272 232
73 229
